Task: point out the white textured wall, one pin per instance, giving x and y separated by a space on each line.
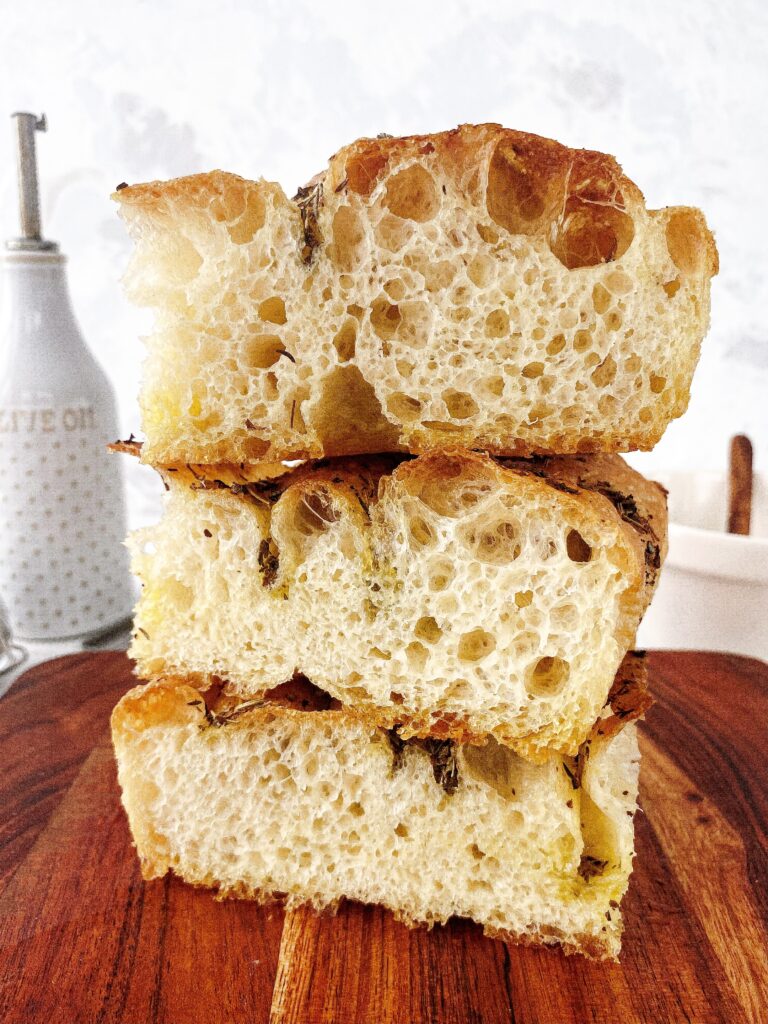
133 91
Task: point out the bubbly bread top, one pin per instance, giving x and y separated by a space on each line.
288 797
454 594
480 286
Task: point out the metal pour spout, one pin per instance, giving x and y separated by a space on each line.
31 237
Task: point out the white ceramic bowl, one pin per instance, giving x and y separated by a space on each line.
713 592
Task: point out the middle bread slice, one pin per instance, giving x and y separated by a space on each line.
453 595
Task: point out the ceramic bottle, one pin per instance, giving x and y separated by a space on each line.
63 567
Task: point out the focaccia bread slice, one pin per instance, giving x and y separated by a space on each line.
453 594
481 287
293 799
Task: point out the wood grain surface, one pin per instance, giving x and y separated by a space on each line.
83 940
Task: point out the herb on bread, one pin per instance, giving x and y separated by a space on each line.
308 199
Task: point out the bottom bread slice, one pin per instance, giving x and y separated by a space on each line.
295 798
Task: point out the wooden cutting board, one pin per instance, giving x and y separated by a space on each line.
83 940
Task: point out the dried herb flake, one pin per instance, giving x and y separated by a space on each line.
573 776
308 198
269 561
218 719
397 743
591 866
442 754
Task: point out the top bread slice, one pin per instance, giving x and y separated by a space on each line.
479 287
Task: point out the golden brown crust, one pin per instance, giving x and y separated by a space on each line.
193 189
128 447
190 472
629 697
639 502
543 164
540 170
537 171
605 474
630 686
297 693
173 698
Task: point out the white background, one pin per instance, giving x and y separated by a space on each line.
135 91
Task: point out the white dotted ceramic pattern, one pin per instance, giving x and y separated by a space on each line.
63 566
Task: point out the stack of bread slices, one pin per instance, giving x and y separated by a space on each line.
387 619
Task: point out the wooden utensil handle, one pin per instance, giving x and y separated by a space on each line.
740 485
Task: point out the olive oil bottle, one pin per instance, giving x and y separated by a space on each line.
63 567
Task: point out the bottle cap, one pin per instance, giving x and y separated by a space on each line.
30 238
